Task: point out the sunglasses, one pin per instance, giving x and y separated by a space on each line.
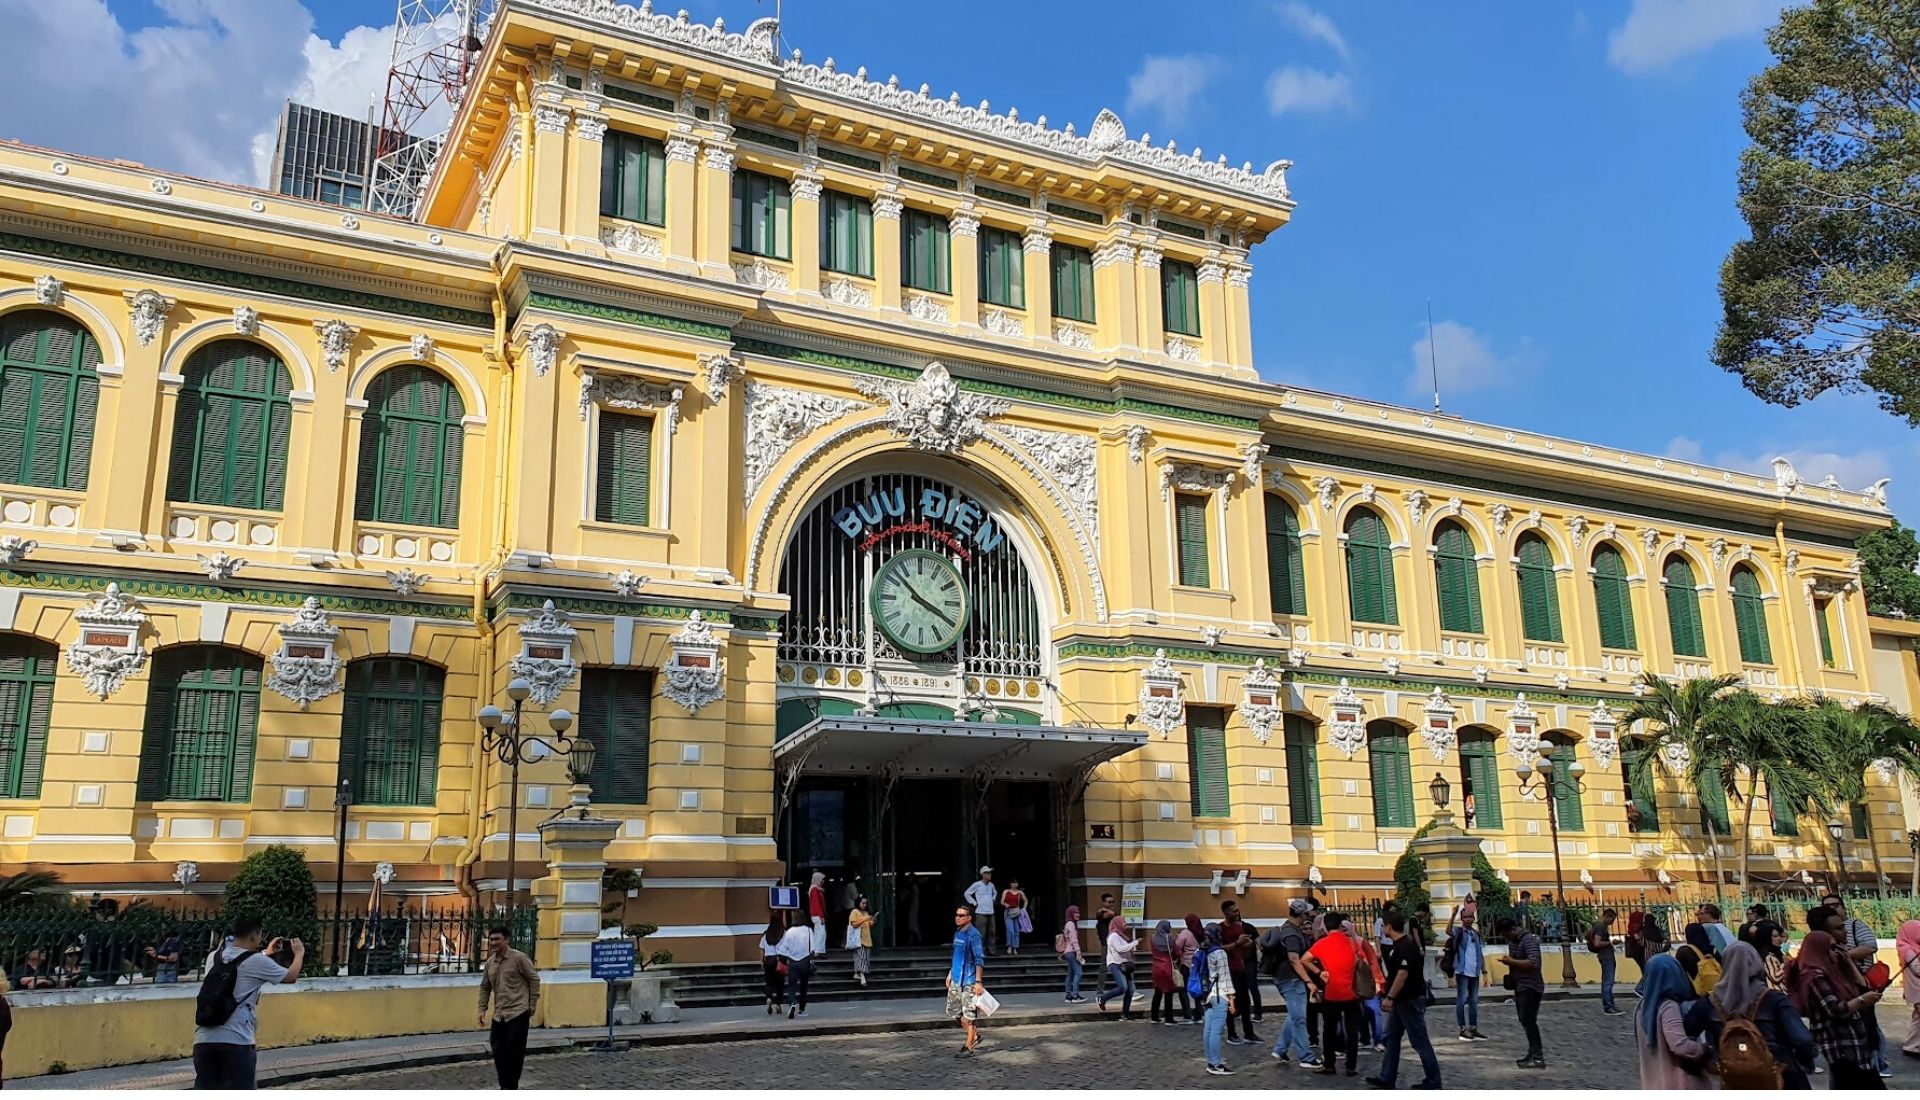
962 916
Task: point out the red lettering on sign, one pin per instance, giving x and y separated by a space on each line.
95 637
546 652
922 528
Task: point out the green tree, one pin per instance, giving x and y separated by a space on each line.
1826 293
1845 741
1888 558
1762 744
29 889
1688 718
275 885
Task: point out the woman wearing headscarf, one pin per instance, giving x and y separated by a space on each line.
1161 945
1186 944
1907 944
1069 944
1120 948
1217 998
1826 989
1769 940
772 967
817 911
1668 1058
1743 991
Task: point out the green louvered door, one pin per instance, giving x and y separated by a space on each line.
1286 574
1458 579
390 731
411 450
1190 530
1207 759
616 714
1713 806
1613 599
1539 591
623 478
27 668
1392 766
230 428
1750 618
1480 767
1370 594
1641 794
1303 771
203 709
49 391
1683 610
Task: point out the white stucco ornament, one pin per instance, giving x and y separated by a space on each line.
721 371
931 413
108 649
1604 744
14 550
1523 731
627 583
306 669
220 566
1677 756
696 672
1163 703
1260 701
147 312
48 290
246 321
336 339
407 581
543 347
546 659
1346 720
186 873
1437 730
383 872
777 417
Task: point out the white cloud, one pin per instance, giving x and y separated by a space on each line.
1298 88
1167 86
1853 471
199 92
1467 361
1660 32
1316 25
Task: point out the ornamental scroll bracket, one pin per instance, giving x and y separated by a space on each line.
696 671
1346 720
1260 701
1163 703
1523 731
108 649
627 393
306 669
1604 744
546 659
1437 730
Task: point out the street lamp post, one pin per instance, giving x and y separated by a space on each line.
1554 782
512 746
342 798
1837 829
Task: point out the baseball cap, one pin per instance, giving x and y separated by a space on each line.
1299 907
986 870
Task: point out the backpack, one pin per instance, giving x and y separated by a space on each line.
1745 1060
1061 944
1197 977
1450 954
1273 955
1598 941
216 1003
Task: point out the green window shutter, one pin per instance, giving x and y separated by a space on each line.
1786 817
1862 827
1539 591
1072 282
1480 767
1286 573
926 262
616 714
1823 621
411 447
156 735
633 178
390 730
762 213
26 704
1566 801
230 428
1459 580
1713 807
203 709
846 234
1003 276
353 730
1190 529
1683 610
1370 594
1391 766
622 481
1179 297
1613 598
1640 789
1750 618
49 391
1207 759
1303 771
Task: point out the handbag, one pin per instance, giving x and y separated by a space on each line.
853 937
780 968
1022 922
1879 976
1061 945
986 1004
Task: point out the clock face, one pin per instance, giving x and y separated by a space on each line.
920 601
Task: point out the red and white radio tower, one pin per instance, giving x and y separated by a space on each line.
435 45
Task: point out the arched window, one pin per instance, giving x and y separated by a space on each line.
1370 596
1750 617
1480 778
1286 575
26 705
1683 609
1566 799
1539 591
1392 766
410 444
1643 807
1613 599
1458 578
230 430
390 731
203 704
49 389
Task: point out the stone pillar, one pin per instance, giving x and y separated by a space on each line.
1448 853
568 896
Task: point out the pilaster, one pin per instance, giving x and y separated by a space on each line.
1150 316
806 190
1214 340
683 206
715 228
125 478
583 206
886 250
548 200
1037 251
1116 291
963 230
1239 316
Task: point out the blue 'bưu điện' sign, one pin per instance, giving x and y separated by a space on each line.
961 523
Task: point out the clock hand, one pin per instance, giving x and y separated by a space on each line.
922 601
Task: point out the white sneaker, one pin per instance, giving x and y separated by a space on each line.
1220 1071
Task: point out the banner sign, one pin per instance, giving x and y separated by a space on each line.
959 523
1133 902
613 959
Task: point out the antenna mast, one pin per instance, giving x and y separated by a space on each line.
1433 357
434 46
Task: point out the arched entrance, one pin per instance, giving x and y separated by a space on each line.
913 731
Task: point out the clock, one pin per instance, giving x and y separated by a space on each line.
920 601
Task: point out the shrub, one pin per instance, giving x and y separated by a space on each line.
276 886
1410 880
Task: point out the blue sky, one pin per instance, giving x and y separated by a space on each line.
1557 178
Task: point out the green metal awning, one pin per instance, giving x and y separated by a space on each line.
932 749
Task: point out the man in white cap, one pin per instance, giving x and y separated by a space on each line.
981 895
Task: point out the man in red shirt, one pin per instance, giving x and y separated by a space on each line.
1340 1002
1239 946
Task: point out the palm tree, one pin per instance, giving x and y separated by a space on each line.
28 888
1688 718
1846 741
1762 738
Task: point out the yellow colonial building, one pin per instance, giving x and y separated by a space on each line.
886 483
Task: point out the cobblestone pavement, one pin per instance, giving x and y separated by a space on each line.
1584 1050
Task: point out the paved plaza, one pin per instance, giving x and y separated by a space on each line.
1584 1050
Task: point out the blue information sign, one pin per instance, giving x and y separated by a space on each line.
783 897
612 959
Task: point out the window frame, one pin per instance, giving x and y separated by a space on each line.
1604 581
1302 744
269 411
1179 297
1569 811
916 225
836 206
609 504
1206 739
167 767
614 773
1750 615
1360 551
78 410
1686 628
1540 619
412 777
1071 269
1400 811
649 162
1192 550
1286 560
28 668
379 434
1003 268
1456 574
762 215
1480 752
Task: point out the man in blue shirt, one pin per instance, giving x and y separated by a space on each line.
1465 957
966 975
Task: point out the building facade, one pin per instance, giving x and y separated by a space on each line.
885 483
